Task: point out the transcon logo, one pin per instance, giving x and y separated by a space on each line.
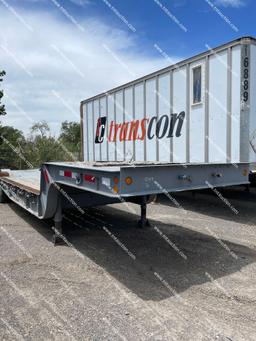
154 127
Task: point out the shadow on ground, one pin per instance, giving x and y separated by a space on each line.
155 258
208 203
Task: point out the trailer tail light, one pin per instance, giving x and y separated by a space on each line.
89 178
116 180
46 177
68 174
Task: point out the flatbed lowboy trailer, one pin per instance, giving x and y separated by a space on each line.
189 126
57 186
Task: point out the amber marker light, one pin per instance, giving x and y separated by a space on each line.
128 180
115 189
245 172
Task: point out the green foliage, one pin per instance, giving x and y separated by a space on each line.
12 143
18 152
2 107
41 146
40 127
42 149
70 138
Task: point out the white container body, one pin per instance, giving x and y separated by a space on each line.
201 110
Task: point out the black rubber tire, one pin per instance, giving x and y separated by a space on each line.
3 197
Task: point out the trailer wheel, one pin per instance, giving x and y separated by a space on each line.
3 197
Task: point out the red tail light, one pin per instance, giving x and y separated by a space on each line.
89 178
68 174
46 177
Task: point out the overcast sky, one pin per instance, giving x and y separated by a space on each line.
57 53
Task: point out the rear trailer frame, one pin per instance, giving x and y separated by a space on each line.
79 185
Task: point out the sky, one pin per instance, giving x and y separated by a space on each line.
59 52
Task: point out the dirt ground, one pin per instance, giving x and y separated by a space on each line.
190 276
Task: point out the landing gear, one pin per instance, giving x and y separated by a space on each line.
143 222
58 237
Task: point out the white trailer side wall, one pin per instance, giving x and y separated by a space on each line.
197 120
119 118
84 122
164 107
139 112
91 126
179 104
213 130
128 98
218 107
252 126
96 112
103 112
151 112
110 118
235 103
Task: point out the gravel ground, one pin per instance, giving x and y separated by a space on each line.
190 276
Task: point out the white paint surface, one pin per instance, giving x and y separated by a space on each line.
130 101
218 107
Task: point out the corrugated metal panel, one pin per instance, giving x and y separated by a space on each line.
139 116
156 120
235 103
245 102
197 119
151 115
249 40
103 113
179 105
128 98
90 136
109 132
218 107
117 131
164 108
96 113
252 130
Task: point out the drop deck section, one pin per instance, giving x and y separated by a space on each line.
45 192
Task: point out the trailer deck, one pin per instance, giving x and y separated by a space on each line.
127 179
28 180
60 185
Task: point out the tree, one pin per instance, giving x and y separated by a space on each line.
2 107
12 144
41 127
70 138
18 152
41 146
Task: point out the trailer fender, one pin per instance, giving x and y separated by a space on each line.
49 195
